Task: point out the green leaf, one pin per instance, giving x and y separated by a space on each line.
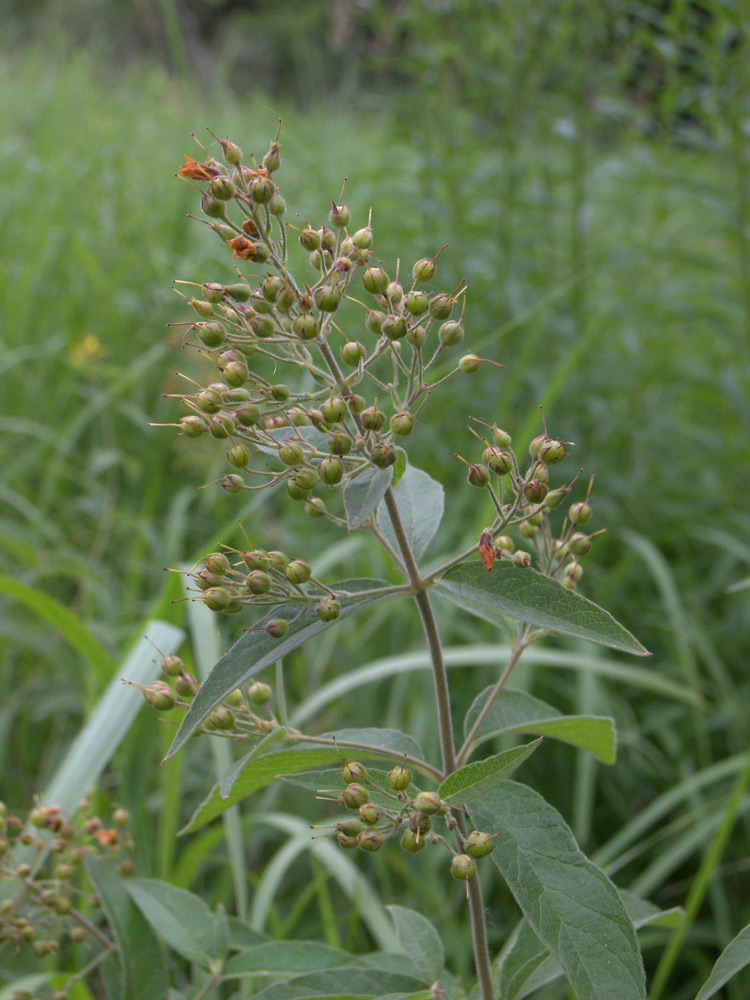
519 712
141 962
419 940
228 778
256 650
363 494
399 466
284 958
181 918
267 768
420 500
481 776
644 913
735 957
351 981
530 597
525 964
570 904
242 936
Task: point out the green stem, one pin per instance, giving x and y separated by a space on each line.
447 743
467 744
701 884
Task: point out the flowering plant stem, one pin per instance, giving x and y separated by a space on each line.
447 742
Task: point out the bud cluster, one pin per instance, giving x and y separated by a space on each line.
524 500
42 853
234 717
315 433
408 814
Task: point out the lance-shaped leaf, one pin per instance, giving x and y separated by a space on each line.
735 956
419 940
518 712
350 982
284 958
420 500
525 964
252 773
256 650
141 964
363 493
181 918
570 904
481 776
530 597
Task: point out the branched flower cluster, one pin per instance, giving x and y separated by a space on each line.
42 856
339 416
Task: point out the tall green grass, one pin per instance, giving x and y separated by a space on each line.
607 271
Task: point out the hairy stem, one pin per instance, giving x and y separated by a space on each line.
517 650
447 743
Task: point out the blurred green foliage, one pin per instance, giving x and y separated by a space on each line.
587 166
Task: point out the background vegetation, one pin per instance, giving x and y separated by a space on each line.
587 165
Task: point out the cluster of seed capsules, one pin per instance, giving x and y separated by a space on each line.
236 716
524 501
234 578
42 855
408 816
317 433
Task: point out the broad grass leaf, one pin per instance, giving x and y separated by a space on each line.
518 712
181 918
251 773
100 664
530 597
735 957
106 727
419 940
481 776
256 649
570 904
141 961
421 501
364 493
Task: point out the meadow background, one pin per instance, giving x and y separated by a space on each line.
588 166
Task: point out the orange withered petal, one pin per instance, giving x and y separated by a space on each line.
487 550
196 171
242 248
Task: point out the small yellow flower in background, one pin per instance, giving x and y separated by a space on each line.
87 351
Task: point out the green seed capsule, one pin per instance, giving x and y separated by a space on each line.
463 867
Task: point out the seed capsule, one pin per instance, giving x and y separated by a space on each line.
463 867
478 844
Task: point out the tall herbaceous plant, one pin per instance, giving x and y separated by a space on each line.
329 429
